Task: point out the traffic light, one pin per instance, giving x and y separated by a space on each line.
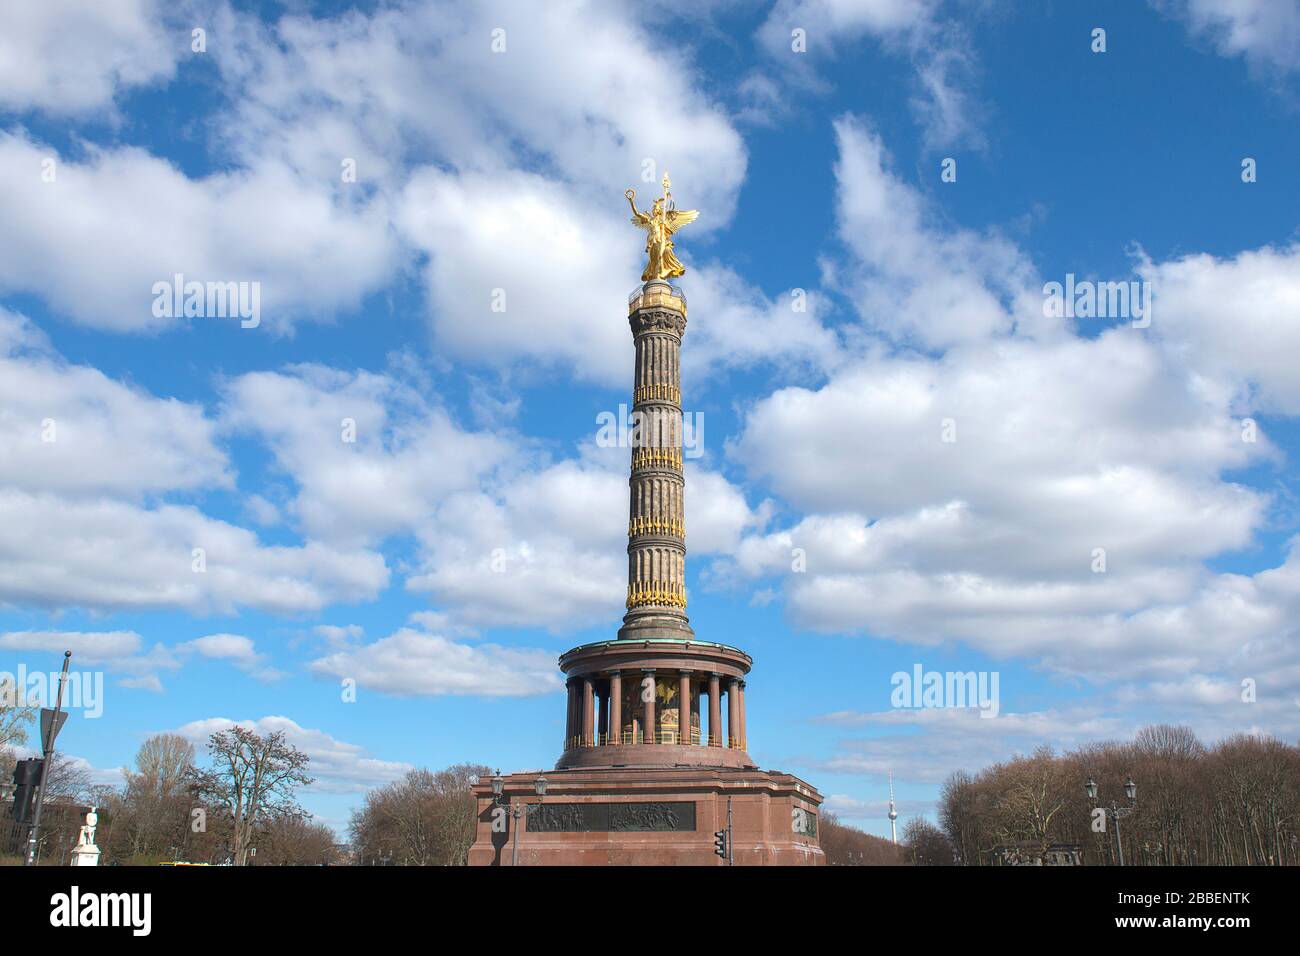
720 843
27 777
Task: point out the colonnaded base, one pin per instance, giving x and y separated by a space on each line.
650 816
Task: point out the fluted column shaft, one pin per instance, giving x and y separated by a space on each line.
684 707
588 717
715 711
648 714
744 733
571 722
616 707
733 713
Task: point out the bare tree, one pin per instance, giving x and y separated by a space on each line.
425 819
1169 757
14 717
163 761
254 779
296 841
961 816
1035 792
925 844
157 800
68 780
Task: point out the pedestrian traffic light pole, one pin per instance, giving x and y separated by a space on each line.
722 844
47 744
731 843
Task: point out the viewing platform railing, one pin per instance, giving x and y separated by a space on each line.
635 738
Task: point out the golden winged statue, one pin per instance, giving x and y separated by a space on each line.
663 219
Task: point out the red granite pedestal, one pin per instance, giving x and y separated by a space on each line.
650 816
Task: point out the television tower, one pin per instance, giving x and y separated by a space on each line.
893 813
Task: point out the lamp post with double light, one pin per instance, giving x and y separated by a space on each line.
519 812
1115 812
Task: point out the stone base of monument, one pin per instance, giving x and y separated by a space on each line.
85 856
650 816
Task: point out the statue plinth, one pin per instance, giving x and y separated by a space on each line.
85 856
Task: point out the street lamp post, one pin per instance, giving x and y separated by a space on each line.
517 813
1115 812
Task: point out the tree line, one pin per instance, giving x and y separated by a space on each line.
240 808
1236 803
427 818
846 845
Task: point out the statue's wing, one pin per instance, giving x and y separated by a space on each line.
642 220
680 217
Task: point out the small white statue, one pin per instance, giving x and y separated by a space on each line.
85 853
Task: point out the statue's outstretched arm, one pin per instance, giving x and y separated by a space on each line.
631 201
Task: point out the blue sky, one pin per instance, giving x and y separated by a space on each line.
474 529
